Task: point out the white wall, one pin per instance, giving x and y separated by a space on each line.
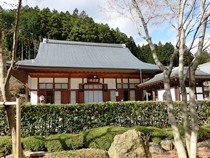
34 97
110 82
45 80
75 83
32 82
61 80
57 97
161 92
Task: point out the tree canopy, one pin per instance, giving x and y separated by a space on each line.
36 24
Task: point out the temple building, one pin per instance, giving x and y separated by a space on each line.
66 72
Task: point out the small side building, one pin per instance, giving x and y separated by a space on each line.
154 88
81 72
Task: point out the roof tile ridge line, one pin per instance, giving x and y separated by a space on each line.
114 45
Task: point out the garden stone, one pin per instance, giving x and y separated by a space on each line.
167 145
203 146
156 149
130 144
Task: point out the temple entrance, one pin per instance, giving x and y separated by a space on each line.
93 96
125 95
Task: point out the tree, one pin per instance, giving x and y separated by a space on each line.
189 18
6 74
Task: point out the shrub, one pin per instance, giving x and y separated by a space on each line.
204 133
54 119
74 141
156 140
34 143
153 132
60 142
56 142
101 138
5 145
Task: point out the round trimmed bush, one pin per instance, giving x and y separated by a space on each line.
34 143
5 145
74 141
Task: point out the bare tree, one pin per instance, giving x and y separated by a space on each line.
5 75
189 18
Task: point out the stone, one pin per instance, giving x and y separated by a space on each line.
130 144
156 149
29 154
167 145
203 146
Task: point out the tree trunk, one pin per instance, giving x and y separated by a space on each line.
193 114
5 77
171 117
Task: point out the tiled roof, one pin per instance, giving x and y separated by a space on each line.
174 74
69 54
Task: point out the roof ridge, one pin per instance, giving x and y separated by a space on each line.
52 41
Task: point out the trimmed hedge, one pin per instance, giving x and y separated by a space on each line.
34 143
5 145
100 138
60 142
54 119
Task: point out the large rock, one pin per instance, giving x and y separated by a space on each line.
156 149
130 144
167 145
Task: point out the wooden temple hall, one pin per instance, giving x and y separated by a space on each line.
80 72
155 90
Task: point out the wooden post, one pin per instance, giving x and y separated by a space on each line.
18 132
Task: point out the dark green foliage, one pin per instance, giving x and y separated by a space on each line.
60 142
74 141
204 133
36 24
5 145
101 138
34 143
4 129
56 143
164 51
154 133
156 140
54 119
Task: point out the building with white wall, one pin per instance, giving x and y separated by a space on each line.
155 88
81 72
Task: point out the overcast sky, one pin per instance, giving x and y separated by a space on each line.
94 9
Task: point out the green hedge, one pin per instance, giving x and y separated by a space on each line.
5 145
100 138
34 143
53 119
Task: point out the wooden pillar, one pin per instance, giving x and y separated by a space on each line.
26 92
18 132
153 95
177 93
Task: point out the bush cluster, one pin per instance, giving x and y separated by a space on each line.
99 138
54 119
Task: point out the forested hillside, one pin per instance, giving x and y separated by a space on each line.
36 24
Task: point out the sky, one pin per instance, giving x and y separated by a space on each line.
93 8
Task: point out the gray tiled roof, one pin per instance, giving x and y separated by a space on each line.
175 73
68 54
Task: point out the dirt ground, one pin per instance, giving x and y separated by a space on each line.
173 154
